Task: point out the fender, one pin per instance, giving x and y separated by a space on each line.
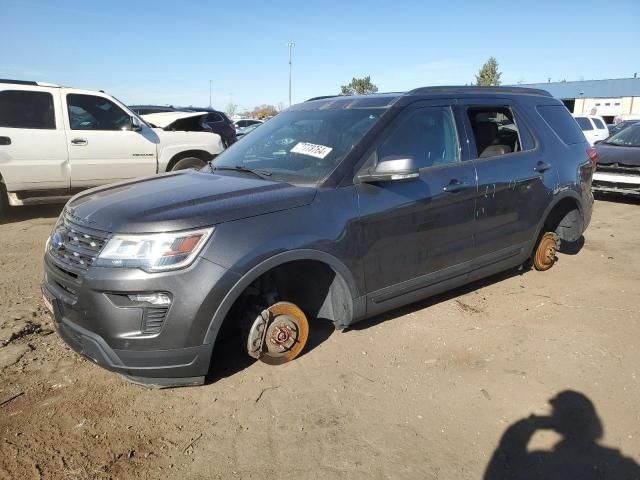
343 273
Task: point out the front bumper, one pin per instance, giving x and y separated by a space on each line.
113 335
613 182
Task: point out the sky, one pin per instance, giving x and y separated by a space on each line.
165 52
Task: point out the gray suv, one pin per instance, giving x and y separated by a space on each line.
339 208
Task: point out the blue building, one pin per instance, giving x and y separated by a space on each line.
607 98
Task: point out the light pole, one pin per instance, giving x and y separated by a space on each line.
209 93
290 45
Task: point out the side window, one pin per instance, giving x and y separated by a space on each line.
598 123
26 109
89 112
585 123
494 130
562 123
428 135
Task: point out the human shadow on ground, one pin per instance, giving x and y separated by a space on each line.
578 455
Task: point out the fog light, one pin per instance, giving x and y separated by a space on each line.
152 298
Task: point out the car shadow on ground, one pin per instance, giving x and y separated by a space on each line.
230 357
21 214
436 299
577 455
572 248
614 198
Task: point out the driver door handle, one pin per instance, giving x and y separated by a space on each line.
5 141
541 167
454 186
79 141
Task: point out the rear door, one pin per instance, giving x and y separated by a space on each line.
515 182
33 147
418 233
102 146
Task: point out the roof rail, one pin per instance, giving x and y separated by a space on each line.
322 97
18 82
477 89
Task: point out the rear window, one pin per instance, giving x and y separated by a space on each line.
214 117
584 123
25 109
562 123
598 123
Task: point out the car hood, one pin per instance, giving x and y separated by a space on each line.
181 201
608 154
166 119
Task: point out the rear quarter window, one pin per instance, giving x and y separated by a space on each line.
214 117
562 123
585 123
27 109
598 123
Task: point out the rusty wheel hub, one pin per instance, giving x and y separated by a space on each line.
279 334
545 255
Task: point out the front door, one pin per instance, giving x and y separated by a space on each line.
102 146
418 233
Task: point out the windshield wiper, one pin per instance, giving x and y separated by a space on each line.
239 168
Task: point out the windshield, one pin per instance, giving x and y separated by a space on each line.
301 146
629 137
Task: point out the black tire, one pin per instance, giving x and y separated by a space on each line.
4 202
188 162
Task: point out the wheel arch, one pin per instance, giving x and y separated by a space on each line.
201 154
562 203
343 288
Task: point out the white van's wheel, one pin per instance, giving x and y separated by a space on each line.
189 162
4 201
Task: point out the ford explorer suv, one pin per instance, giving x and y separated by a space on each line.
55 141
339 208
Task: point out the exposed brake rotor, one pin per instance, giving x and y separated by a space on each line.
278 334
546 253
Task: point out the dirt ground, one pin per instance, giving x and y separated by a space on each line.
423 392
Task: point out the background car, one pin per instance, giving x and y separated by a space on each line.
246 122
621 126
242 131
148 109
219 123
618 167
593 127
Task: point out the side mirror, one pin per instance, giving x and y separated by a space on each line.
136 124
390 169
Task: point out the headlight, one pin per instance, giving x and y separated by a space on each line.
153 252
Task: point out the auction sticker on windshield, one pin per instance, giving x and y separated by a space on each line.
311 149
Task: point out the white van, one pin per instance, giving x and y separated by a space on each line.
55 141
593 127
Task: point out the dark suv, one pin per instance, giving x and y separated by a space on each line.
339 208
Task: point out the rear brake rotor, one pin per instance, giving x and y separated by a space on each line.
278 334
545 255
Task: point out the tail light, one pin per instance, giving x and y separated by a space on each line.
233 125
593 155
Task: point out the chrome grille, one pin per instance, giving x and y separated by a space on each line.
74 247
